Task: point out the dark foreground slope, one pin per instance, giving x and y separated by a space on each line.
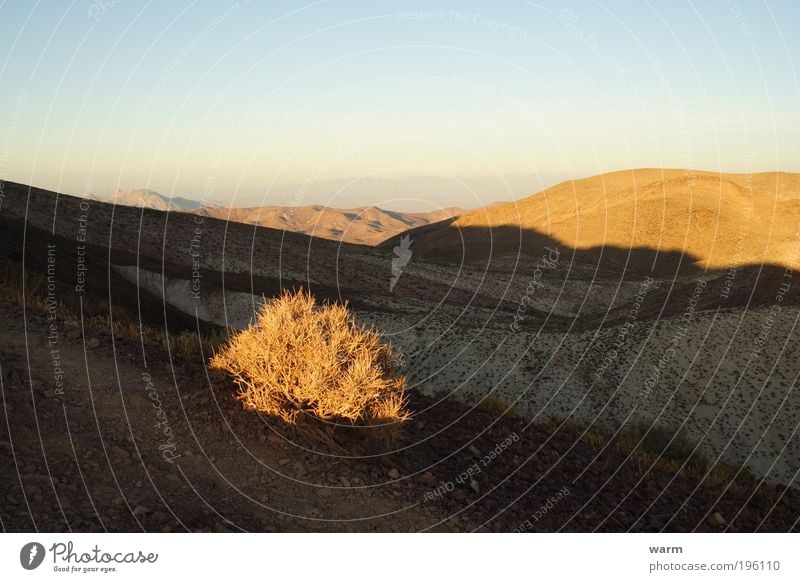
113 421
139 441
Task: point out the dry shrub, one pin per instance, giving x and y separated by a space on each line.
300 358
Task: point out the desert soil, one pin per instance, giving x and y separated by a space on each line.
91 457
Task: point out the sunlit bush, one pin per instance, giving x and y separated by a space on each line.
300 358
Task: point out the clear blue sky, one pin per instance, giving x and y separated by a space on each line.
243 97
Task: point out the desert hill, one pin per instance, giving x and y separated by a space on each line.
581 344
230 470
714 220
368 225
146 198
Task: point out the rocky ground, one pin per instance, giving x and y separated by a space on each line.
567 338
137 441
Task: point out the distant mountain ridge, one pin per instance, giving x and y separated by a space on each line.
367 225
146 198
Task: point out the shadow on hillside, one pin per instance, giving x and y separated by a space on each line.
504 245
507 253
470 268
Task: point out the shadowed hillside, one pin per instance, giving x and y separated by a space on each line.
566 336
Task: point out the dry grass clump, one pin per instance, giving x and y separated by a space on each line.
496 406
300 358
661 442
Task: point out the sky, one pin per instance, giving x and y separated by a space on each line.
250 103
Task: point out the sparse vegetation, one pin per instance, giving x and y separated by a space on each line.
660 442
299 358
184 345
496 405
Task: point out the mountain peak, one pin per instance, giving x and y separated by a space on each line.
147 198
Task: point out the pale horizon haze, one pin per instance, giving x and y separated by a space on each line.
411 106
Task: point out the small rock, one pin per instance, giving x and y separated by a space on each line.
716 519
141 510
50 393
299 468
344 481
475 487
324 492
138 402
283 461
93 343
429 478
262 438
394 474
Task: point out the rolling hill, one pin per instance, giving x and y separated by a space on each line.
580 355
368 225
707 219
146 198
